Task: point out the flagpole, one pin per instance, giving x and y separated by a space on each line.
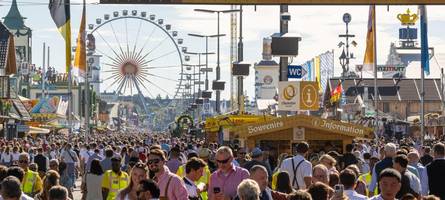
70 100
87 105
424 66
49 69
422 105
42 76
374 32
87 82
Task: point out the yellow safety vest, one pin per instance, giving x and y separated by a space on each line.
116 183
367 178
274 179
29 183
204 178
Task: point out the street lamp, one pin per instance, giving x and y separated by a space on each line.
207 53
199 66
346 55
218 69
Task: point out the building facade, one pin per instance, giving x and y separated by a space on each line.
399 98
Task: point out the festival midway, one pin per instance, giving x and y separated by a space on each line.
222 100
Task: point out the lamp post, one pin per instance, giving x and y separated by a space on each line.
207 69
206 53
218 69
346 55
199 54
199 77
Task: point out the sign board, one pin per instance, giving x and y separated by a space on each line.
298 95
387 68
22 128
298 133
265 127
24 68
289 95
309 95
345 128
278 2
206 107
295 71
301 121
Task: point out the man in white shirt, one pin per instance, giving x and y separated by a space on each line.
348 179
194 169
390 182
299 169
70 158
85 153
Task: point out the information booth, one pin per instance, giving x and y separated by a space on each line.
282 134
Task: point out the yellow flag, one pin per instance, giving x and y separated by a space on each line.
60 12
317 70
369 60
80 56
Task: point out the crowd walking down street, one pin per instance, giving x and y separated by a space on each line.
139 166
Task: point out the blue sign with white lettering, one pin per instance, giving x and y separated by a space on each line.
294 71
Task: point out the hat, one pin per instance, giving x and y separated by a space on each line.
256 152
204 153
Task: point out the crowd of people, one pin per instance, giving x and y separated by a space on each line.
139 166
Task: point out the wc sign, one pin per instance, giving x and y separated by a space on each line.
295 71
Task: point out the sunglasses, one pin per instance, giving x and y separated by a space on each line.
23 161
223 161
153 161
140 165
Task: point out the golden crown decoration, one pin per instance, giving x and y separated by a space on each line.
408 19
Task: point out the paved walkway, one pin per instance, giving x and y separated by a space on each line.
77 195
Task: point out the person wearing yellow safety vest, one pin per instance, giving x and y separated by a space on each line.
277 170
367 177
114 180
204 154
31 183
194 169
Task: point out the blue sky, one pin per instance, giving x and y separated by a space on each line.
319 27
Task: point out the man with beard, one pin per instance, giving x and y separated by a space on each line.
170 185
114 180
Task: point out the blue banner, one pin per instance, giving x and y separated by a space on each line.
425 57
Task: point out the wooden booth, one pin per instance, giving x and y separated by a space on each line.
284 133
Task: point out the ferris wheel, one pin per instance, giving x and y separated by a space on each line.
140 55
